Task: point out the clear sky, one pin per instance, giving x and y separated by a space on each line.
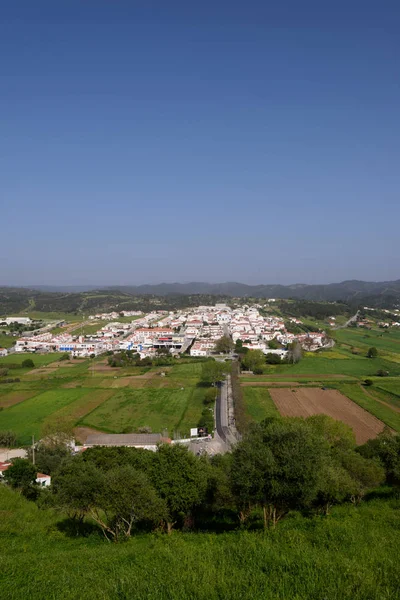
253 141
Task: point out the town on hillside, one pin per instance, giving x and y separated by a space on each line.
194 330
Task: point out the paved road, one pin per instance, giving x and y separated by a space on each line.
351 320
224 414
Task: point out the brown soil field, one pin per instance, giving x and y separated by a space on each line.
15 397
303 402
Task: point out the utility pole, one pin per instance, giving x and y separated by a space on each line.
33 449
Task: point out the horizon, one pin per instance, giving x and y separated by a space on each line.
199 143
94 287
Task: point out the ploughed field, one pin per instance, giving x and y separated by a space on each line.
303 402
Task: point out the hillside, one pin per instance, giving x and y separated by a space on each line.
349 555
168 296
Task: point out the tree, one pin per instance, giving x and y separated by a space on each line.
213 371
57 430
279 466
224 344
365 473
337 434
295 352
50 456
336 486
180 478
8 439
273 359
372 352
385 448
28 364
273 344
206 420
127 498
253 359
76 486
21 474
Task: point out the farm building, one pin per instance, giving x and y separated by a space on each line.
148 441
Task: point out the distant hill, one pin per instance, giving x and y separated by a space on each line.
176 295
346 290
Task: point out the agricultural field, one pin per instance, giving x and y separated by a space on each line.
258 403
90 394
297 389
304 401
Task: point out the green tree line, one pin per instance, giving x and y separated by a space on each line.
280 466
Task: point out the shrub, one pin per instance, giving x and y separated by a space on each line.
382 373
28 363
8 439
368 382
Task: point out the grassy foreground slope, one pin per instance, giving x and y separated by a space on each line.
352 555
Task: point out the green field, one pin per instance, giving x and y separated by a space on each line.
363 398
6 341
27 417
383 339
352 555
259 404
156 408
88 393
357 366
38 359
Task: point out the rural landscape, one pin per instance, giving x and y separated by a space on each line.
199 300
319 376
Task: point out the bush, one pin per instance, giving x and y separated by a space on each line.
28 364
207 420
372 352
64 356
258 371
382 373
209 397
273 359
8 439
368 382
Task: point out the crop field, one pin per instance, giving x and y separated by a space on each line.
259 404
383 339
89 393
303 402
318 364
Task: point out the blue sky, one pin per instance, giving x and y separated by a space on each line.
212 141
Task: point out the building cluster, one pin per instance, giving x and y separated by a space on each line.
114 315
196 329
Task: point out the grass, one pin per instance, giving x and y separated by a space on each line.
26 418
159 409
359 366
383 339
6 341
115 400
259 404
349 556
392 386
39 359
360 396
